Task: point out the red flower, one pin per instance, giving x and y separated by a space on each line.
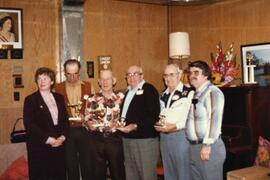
224 65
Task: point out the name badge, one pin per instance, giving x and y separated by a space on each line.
139 92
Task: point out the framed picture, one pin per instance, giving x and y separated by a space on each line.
10 28
17 81
90 69
256 60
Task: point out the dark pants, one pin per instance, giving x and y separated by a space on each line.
79 154
108 153
46 163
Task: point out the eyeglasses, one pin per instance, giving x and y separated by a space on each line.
136 74
170 75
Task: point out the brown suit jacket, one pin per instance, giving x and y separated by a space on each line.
86 90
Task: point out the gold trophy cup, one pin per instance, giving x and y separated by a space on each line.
162 121
75 109
121 123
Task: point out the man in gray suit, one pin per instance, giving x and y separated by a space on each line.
207 150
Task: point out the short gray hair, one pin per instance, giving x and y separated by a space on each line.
175 66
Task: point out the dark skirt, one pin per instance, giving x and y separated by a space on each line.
46 163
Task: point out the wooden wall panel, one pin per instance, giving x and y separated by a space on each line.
238 21
131 33
40 48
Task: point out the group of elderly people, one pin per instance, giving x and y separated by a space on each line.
75 133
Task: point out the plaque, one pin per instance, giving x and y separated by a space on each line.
105 62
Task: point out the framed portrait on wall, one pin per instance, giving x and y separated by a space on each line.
11 28
258 56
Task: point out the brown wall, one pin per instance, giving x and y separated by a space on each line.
40 44
131 33
238 21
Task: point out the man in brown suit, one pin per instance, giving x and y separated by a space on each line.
78 143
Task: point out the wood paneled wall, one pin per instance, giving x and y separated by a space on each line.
131 33
238 21
40 48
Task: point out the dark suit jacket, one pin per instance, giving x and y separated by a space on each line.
143 110
86 90
38 121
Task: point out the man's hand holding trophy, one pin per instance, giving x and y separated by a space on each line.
164 126
161 122
121 123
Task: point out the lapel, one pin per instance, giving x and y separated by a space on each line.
122 104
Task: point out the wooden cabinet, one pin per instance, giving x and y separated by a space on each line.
246 117
248 106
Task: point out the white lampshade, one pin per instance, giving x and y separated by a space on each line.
179 45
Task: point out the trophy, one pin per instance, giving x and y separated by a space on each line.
121 123
99 115
75 109
162 121
249 69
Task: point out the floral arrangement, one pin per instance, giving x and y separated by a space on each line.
223 66
104 111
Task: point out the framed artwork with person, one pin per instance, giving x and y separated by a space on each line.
10 28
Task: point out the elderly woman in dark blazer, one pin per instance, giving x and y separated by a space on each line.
46 123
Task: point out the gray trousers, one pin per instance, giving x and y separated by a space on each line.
175 155
141 157
211 169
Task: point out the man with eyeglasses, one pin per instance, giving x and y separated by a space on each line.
140 109
78 143
207 150
175 103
